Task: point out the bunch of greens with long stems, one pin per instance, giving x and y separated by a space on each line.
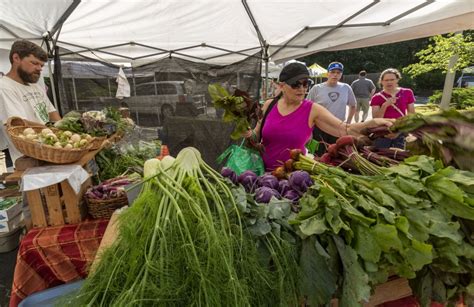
183 243
414 220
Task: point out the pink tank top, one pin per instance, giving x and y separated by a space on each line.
281 133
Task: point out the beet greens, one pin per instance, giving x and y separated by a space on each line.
413 220
448 136
238 108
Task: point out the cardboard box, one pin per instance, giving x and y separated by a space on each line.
12 224
11 208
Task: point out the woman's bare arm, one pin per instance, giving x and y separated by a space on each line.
327 122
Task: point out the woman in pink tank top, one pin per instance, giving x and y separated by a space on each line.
291 118
392 102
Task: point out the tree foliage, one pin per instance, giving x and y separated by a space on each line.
436 55
461 98
371 59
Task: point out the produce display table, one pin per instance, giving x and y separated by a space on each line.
51 256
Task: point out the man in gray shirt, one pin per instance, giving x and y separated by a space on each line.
363 89
334 96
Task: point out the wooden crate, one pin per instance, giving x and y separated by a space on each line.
57 204
395 288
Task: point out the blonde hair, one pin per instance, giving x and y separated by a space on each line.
394 71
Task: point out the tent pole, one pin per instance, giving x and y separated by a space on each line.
263 45
46 37
265 88
53 87
75 93
64 16
49 36
265 92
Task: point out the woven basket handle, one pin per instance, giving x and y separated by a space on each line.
15 121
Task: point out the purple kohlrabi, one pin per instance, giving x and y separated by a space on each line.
292 195
249 180
229 173
264 194
283 186
300 181
268 180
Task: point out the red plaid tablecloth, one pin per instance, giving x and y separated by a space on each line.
51 256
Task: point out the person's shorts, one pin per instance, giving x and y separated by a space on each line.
363 104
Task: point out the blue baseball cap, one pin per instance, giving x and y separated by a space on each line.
336 65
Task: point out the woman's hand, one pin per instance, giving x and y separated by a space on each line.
247 134
358 128
376 122
252 141
390 101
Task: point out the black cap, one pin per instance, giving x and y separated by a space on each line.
293 72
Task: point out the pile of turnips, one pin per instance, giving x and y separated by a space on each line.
267 186
58 139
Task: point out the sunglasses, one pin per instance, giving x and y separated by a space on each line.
298 84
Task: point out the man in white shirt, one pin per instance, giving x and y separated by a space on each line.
334 96
20 95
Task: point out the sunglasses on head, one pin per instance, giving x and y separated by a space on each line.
298 84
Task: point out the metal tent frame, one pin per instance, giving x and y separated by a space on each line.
51 39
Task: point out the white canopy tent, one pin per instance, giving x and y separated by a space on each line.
221 32
225 31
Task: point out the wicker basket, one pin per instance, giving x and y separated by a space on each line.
97 142
16 125
100 208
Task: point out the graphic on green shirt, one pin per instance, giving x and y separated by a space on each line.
36 99
42 112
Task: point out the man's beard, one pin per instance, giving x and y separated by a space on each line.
26 77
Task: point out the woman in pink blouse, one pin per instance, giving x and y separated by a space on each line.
392 102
